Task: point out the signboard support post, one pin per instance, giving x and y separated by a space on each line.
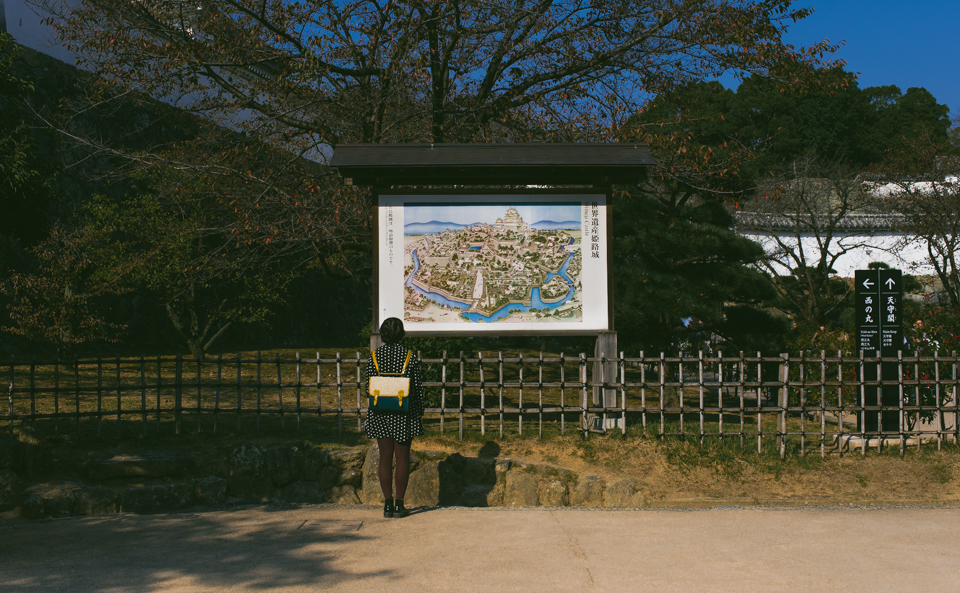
604 373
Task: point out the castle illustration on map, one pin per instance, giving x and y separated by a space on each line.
496 267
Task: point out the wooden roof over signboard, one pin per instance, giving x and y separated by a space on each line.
385 165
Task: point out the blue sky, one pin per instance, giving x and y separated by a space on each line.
895 42
489 213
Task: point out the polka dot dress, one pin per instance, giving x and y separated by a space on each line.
401 426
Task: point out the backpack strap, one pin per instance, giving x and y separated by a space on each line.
406 362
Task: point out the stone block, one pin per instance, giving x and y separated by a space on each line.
248 459
282 465
301 493
371 494
157 498
588 492
160 464
11 488
479 471
455 461
520 490
481 495
38 461
423 489
96 501
553 493
451 483
312 463
623 494
59 502
210 491
346 458
502 466
249 479
32 508
343 495
495 496
351 477
11 453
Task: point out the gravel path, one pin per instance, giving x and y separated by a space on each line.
331 548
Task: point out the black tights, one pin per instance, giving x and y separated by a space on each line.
390 448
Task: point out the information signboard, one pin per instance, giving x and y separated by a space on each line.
493 264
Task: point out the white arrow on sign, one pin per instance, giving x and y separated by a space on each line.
890 283
867 284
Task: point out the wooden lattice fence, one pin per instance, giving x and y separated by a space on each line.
802 403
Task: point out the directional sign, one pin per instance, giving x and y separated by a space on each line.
879 327
868 310
891 312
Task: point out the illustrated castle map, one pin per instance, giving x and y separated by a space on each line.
502 270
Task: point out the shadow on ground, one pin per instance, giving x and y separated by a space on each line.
266 549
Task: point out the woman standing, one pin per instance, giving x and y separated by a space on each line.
394 431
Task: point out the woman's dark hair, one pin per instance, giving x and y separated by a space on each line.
391 330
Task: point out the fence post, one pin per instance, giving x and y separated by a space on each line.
643 393
239 387
178 393
623 395
33 390
823 404
700 389
119 399
563 415
339 394
216 397
539 395
260 385
443 393
462 384
900 400
100 397
280 390
956 407
840 402
936 378
297 392
662 377
784 402
56 396
604 373
10 393
76 391
583 398
143 394
319 399
483 397
199 393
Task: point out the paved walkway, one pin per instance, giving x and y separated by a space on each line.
328 548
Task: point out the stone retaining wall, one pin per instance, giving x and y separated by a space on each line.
303 474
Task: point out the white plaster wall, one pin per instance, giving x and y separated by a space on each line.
880 247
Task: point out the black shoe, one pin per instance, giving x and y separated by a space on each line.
398 509
388 509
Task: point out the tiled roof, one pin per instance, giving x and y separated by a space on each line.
761 221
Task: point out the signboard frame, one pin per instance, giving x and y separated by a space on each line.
598 318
